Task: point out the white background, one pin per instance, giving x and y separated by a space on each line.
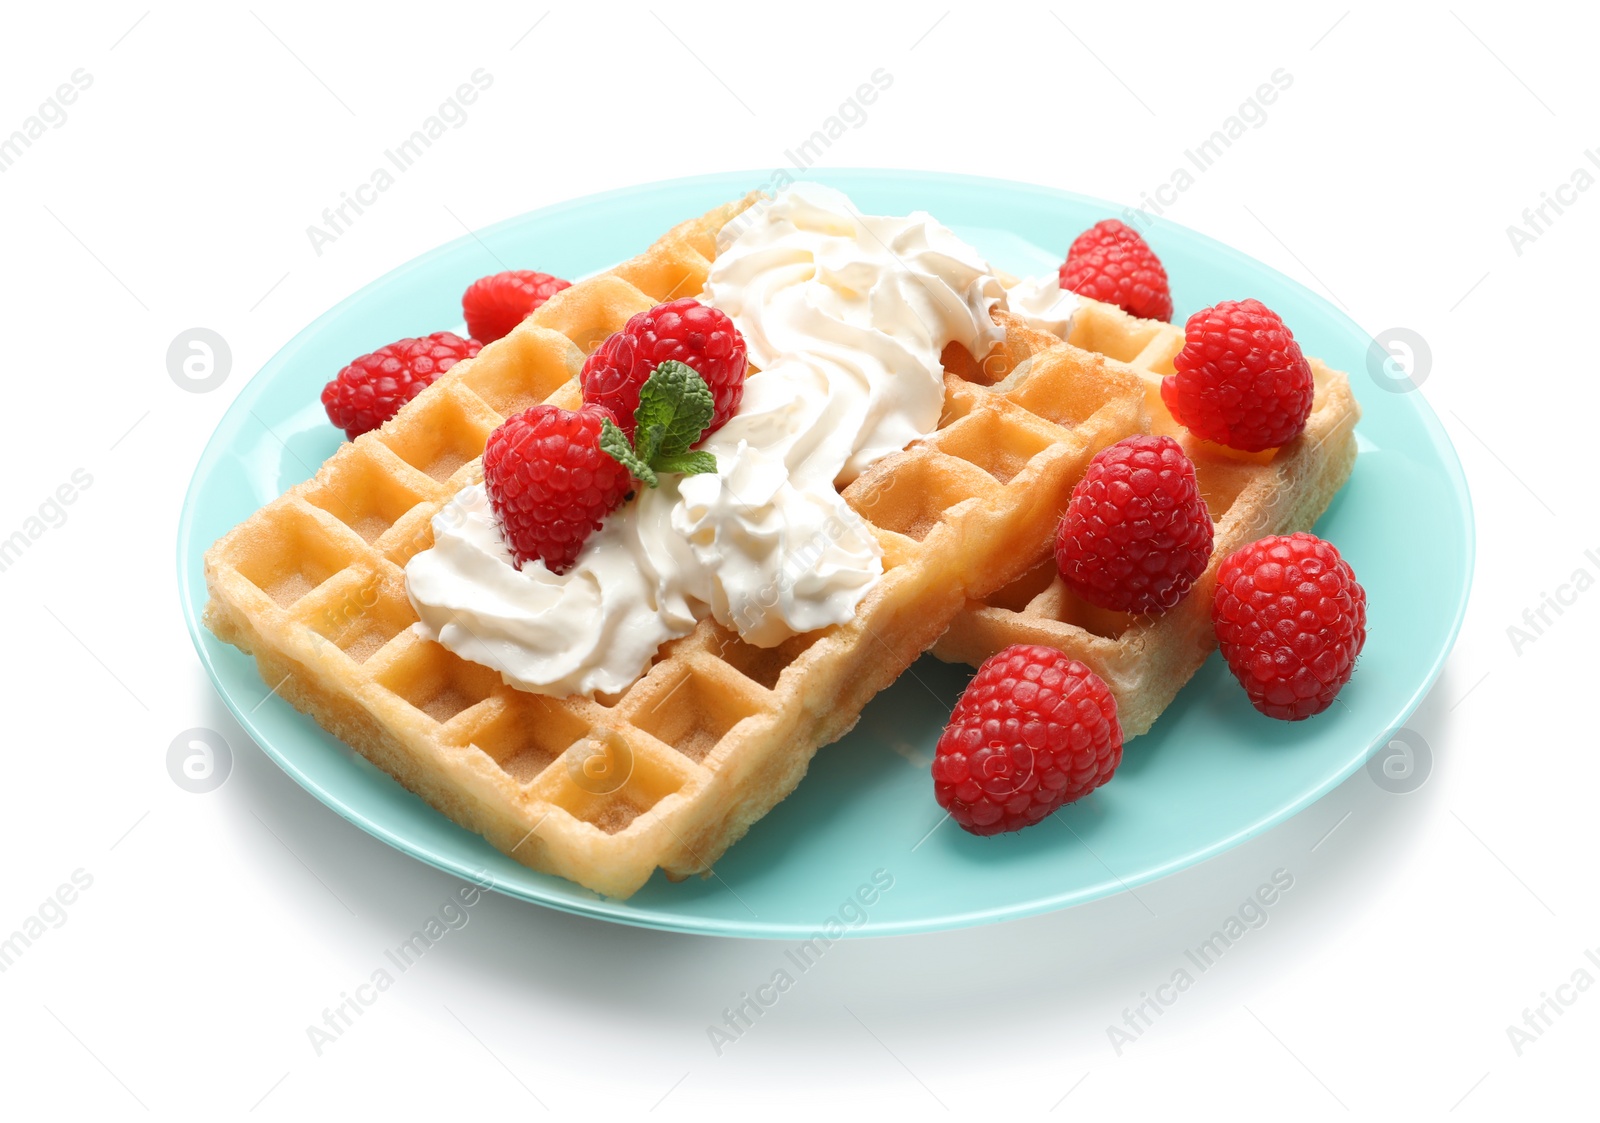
219 926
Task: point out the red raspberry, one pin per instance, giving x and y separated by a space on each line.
1136 533
1033 731
496 304
693 333
372 388
549 483
1291 620
1110 262
1241 381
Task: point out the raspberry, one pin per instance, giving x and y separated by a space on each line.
549 483
372 388
495 304
1241 381
1111 262
1136 533
1290 619
693 333
1033 731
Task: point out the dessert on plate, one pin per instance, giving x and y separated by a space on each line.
658 718
1146 659
597 580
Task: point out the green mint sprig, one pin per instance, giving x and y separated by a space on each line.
675 406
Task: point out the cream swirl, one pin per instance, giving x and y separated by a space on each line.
845 316
593 628
1043 304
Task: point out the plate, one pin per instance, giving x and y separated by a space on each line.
1211 774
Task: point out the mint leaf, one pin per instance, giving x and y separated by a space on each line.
675 406
687 463
614 443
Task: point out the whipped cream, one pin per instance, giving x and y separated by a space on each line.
845 316
1043 304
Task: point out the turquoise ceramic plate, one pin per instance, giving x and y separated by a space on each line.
1210 775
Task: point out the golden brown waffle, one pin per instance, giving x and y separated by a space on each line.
1146 660
675 768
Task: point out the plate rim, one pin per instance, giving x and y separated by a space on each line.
190 558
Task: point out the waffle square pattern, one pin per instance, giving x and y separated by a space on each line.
672 770
1147 660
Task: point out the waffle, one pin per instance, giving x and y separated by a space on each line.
675 768
1147 660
